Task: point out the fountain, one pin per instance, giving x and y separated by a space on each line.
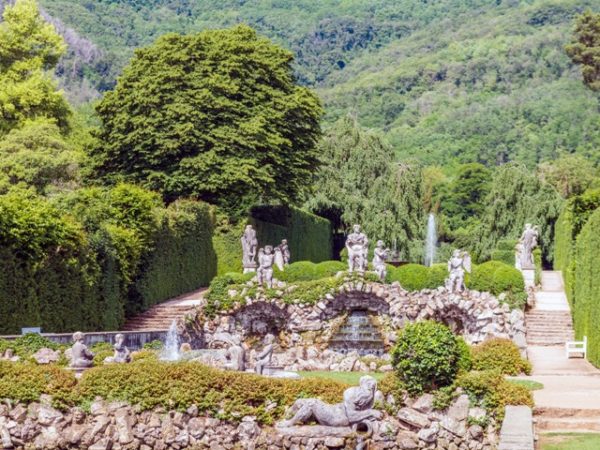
170 351
431 242
359 334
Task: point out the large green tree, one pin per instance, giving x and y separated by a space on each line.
215 115
359 182
585 48
29 49
517 196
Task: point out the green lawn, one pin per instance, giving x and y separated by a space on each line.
529 384
570 441
344 377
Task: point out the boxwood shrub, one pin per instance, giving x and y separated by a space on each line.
496 277
500 354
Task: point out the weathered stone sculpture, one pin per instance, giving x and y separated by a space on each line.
285 252
236 355
122 354
357 245
457 265
81 356
249 247
356 408
264 358
524 250
380 257
266 259
75 433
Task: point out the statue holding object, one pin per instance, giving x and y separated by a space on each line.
357 245
380 256
122 353
266 259
264 357
81 356
459 263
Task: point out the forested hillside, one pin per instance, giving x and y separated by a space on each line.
450 81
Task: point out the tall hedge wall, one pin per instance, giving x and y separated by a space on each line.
87 259
586 290
309 236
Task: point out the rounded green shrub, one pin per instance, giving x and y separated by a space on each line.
496 277
412 277
298 271
465 360
427 357
500 354
330 268
437 275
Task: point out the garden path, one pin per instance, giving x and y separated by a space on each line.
570 399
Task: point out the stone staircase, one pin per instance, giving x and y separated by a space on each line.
160 316
561 420
548 327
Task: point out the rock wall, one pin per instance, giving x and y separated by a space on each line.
116 426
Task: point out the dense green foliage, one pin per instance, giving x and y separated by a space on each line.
426 357
496 277
359 183
214 115
502 355
309 236
585 48
586 287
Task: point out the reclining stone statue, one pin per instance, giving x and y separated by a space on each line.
356 408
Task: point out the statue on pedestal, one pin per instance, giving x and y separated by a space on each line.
524 250
266 259
81 356
249 247
264 357
357 245
356 408
122 354
380 256
459 263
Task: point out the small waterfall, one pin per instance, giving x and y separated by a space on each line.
171 349
359 334
431 242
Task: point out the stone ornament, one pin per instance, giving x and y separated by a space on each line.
356 408
459 263
357 245
285 252
524 249
249 247
266 259
122 354
380 256
81 356
264 357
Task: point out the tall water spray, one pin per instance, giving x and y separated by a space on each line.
171 349
431 242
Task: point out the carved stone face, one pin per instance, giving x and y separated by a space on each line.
119 339
78 416
368 383
356 228
78 336
268 250
380 244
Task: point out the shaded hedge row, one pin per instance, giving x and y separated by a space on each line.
86 259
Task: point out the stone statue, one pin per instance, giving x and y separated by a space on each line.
285 252
249 246
356 408
266 259
122 353
358 249
457 265
236 355
264 358
380 256
525 247
81 357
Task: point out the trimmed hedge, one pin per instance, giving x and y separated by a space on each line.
496 277
310 237
84 260
505 252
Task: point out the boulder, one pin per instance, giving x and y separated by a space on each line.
46 356
424 403
459 409
334 442
413 418
429 435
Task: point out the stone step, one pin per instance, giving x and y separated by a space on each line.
568 424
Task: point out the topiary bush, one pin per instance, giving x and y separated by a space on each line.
298 271
437 276
412 277
500 354
427 356
330 268
496 277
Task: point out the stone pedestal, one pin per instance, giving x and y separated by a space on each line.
529 277
250 268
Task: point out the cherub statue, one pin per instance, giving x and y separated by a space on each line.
122 353
264 358
457 265
356 408
358 249
285 252
249 246
266 259
380 256
81 356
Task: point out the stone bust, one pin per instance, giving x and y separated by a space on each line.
81 356
356 408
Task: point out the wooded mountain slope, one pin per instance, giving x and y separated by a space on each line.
447 81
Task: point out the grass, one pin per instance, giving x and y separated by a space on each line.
343 377
529 384
570 441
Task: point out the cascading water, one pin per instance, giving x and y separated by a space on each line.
359 334
171 349
431 242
